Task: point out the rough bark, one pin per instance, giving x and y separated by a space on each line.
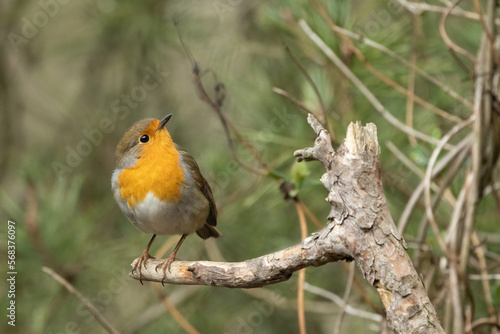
360 228
316 250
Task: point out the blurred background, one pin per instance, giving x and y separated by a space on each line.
74 75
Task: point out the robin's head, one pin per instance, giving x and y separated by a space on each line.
144 137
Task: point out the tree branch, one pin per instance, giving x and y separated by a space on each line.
316 250
361 229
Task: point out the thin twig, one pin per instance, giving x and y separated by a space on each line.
216 106
411 89
302 273
347 293
451 172
454 226
311 216
363 89
408 163
408 93
363 39
179 318
447 307
453 169
428 178
456 302
87 303
452 46
419 7
226 124
478 249
154 311
337 300
476 157
169 306
460 149
294 100
487 31
484 322
324 116
492 188
480 277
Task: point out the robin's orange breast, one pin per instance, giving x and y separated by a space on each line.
157 171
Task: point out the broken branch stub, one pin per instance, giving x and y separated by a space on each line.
363 221
322 150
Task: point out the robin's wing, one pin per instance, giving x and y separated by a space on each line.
208 230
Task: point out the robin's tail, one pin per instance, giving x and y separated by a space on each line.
208 231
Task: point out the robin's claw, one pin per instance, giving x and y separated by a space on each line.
166 265
141 262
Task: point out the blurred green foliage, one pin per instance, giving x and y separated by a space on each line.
65 73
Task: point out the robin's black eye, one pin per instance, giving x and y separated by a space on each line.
144 139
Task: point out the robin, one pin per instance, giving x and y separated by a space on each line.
159 187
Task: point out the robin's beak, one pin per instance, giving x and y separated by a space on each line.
164 121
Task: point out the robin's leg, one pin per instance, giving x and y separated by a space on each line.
171 258
144 257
